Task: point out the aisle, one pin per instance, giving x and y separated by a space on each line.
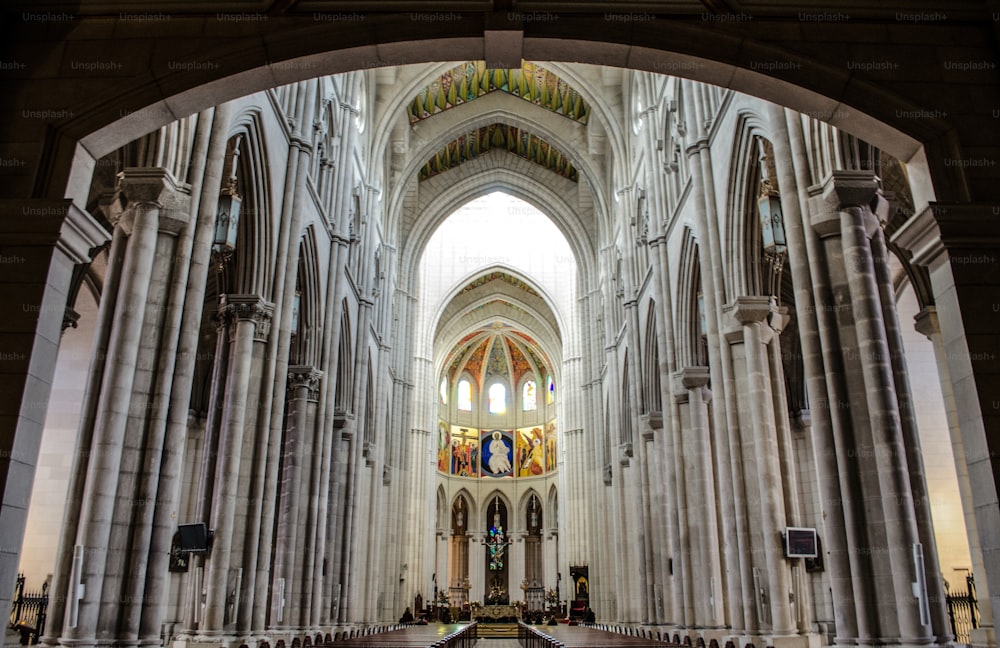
497 643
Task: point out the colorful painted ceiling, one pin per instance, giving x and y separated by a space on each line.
497 350
473 79
498 136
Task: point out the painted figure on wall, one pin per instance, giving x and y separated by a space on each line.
550 446
444 447
530 452
464 452
498 453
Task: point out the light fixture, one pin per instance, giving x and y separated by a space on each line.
772 224
227 217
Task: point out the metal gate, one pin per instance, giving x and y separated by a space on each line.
963 610
27 611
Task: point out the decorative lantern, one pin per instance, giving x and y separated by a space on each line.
772 224
227 216
296 304
227 221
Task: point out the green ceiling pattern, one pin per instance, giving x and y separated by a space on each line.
503 137
473 79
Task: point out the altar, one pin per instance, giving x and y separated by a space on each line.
495 614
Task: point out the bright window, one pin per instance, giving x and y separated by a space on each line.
550 396
465 396
498 399
528 402
444 391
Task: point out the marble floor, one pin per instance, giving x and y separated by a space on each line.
497 643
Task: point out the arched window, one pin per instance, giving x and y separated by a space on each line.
444 391
498 399
465 396
550 391
528 402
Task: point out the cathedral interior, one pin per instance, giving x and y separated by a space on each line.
678 314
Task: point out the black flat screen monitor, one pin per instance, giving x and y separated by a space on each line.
194 537
800 543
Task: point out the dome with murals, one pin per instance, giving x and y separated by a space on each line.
497 406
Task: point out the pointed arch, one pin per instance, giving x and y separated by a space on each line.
625 434
651 393
553 508
743 235
306 339
440 509
690 327
252 269
342 402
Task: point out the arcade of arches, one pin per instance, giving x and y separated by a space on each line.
470 332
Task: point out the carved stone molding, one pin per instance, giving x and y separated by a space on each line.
305 376
248 308
154 186
750 309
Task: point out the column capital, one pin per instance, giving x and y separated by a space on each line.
692 377
248 308
154 186
750 309
305 376
845 189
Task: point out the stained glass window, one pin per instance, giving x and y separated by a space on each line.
465 396
498 399
528 396
550 396
444 391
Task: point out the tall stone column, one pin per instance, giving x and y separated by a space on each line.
250 322
816 313
851 193
476 555
702 516
752 313
958 245
303 382
102 542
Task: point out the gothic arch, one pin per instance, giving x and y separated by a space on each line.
524 501
553 508
489 173
741 225
345 364
253 266
503 108
470 504
652 397
690 346
307 342
441 509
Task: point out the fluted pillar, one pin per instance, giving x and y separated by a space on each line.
250 322
851 194
752 313
303 384
693 397
155 203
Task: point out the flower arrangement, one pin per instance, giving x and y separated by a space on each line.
551 597
496 593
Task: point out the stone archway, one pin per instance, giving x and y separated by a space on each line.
56 130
